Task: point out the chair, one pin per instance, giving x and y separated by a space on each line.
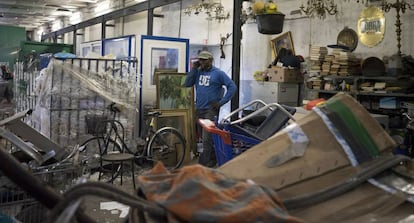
274 122
112 146
263 122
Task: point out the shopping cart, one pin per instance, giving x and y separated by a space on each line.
17 204
232 138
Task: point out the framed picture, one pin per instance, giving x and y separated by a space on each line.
120 47
159 52
179 119
162 53
170 93
282 41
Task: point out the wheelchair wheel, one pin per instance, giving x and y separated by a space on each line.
91 148
168 146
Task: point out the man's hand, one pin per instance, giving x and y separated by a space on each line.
215 105
196 64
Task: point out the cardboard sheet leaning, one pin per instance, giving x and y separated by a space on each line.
283 160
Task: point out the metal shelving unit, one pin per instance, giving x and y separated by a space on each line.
370 99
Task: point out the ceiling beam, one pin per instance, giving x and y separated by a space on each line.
41 5
129 10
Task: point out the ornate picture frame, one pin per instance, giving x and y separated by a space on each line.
179 119
170 93
284 40
171 96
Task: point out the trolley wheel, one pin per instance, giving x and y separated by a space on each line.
168 146
92 147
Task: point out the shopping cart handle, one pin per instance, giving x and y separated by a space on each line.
206 122
210 126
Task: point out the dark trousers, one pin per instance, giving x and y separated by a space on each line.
208 156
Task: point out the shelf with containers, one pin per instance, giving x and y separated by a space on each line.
327 86
379 94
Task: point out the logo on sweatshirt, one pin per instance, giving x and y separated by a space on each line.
204 80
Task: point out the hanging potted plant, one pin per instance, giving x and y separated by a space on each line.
269 19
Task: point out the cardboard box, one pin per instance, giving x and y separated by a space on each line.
284 74
323 153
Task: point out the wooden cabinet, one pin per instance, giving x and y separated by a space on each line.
269 92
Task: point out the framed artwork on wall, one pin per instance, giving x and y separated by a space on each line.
163 59
282 41
119 47
159 52
162 53
92 46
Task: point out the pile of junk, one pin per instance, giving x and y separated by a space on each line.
334 164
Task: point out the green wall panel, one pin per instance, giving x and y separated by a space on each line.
39 47
10 39
11 36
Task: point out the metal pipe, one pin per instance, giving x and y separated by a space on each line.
46 195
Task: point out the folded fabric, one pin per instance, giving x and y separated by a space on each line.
199 194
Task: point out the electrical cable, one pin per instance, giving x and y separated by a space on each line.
46 195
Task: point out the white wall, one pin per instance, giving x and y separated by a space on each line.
255 47
314 31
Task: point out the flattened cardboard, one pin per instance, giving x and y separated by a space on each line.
322 155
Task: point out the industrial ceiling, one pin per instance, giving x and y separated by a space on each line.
33 13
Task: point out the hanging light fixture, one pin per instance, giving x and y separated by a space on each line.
319 8
364 2
400 6
213 10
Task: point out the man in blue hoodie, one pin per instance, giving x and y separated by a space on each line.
209 81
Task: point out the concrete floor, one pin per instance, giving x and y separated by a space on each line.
92 205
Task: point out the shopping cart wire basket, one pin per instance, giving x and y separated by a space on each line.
231 138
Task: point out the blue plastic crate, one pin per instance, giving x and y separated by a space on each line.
228 144
45 59
231 139
226 151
